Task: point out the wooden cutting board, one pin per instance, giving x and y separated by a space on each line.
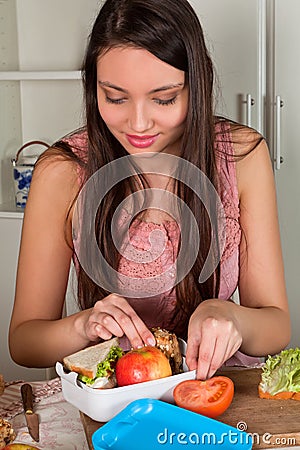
272 423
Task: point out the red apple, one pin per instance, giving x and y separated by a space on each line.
142 364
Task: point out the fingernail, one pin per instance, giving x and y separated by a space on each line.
151 341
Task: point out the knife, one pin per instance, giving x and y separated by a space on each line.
32 419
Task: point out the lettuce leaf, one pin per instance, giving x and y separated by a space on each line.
105 368
281 372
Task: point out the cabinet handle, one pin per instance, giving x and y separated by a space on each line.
249 103
278 158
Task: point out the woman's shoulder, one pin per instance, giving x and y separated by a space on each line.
54 170
65 159
76 142
235 139
239 151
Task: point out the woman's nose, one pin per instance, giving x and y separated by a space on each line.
140 119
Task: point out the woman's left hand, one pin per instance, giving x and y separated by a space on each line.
213 337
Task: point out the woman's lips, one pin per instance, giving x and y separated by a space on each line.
141 141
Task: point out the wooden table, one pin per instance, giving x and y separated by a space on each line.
272 423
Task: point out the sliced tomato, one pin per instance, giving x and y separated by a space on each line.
210 397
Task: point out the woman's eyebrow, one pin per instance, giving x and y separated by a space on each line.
153 91
167 87
112 86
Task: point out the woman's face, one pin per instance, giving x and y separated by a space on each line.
142 100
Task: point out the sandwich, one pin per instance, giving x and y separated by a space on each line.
168 343
95 365
280 378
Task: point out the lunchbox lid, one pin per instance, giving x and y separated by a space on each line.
151 424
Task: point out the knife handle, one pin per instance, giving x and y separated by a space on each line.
27 398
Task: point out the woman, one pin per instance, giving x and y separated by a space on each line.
148 83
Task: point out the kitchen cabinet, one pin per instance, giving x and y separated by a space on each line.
10 231
253 47
284 112
41 51
235 36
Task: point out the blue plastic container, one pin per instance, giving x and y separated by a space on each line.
150 424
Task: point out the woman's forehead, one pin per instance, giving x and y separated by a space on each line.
126 66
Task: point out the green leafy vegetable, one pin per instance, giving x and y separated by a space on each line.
281 373
105 368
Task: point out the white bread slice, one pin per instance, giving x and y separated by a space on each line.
85 361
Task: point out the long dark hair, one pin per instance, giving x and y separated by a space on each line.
171 31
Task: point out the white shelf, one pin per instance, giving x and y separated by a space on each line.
40 75
10 211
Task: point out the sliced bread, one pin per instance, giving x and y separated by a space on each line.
86 361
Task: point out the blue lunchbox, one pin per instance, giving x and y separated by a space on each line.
150 424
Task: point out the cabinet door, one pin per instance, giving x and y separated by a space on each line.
286 127
52 108
10 231
234 36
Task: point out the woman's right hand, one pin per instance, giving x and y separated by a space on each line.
113 316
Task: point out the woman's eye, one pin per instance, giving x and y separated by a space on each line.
170 101
115 101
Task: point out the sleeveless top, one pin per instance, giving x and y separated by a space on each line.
157 310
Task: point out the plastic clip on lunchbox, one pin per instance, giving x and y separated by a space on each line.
151 424
103 404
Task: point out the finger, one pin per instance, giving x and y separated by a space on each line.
134 328
95 331
138 334
233 346
109 326
206 351
226 344
103 333
219 355
207 347
192 350
119 318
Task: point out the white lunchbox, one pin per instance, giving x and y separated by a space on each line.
103 404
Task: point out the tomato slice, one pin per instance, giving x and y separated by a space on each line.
210 397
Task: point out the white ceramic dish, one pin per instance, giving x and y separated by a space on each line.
103 404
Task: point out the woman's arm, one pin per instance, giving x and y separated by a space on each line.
261 282
260 325
37 336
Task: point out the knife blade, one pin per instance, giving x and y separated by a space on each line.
32 419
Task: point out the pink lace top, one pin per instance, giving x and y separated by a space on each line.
157 310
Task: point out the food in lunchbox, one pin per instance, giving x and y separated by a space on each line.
96 364
280 378
142 364
168 343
